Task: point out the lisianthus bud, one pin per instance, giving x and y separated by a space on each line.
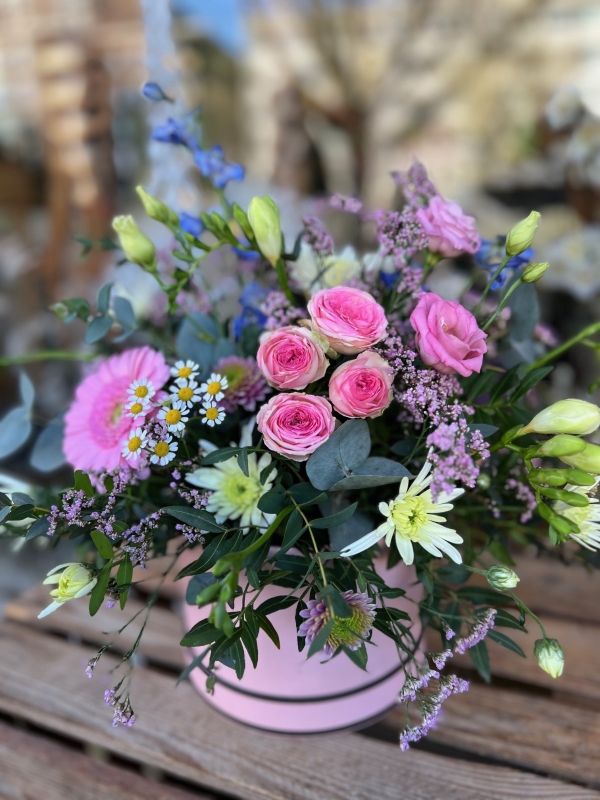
588 459
501 578
521 236
561 445
156 209
263 216
566 416
549 655
136 245
533 272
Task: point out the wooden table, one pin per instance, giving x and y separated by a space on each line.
525 736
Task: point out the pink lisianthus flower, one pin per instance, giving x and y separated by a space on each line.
362 387
350 319
450 230
447 336
96 424
291 357
295 424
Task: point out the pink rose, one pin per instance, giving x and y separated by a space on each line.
295 424
450 230
290 358
351 320
447 336
363 387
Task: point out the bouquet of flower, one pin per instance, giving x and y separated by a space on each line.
347 414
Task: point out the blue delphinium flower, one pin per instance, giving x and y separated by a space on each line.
185 131
253 295
152 91
491 253
212 164
192 225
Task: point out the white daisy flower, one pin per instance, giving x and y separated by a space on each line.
137 408
212 413
414 517
186 391
234 495
586 518
163 450
185 369
133 447
142 389
176 417
214 387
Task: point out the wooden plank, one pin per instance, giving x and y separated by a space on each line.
32 766
40 681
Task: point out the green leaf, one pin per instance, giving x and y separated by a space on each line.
375 471
320 640
104 298
97 329
481 595
273 501
506 641
529 381
17 513
358 656
83 483
223 454
201 634
480 657
39 527
99 590
22 499
242 459
476 386
124 578
249 641
277 603
268 628
237 653
195 517
500 553
345 450
103 545
306 495
505 620
506 382
335 519
293 531
264 473
219 547
336 603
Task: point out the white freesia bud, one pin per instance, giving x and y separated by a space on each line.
533 272
588 459
136 245
522 235
263 215
75 580
561 445
501 578
566 416
156 209
550 656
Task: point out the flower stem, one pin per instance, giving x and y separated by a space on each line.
502 303
47 355
484 294
314 541
541 362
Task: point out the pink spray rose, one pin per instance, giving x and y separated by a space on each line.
295 424
291 358
350 319
362 387
96 423
450 230
447 336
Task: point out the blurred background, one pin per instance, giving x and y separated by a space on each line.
500 100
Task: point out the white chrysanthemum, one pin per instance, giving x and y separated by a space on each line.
162 450
586 518
142 389
137 408
75 580
175 417
214 387
413 517
185 369
234 495
133 447
212 414
185 390
340 269
304 272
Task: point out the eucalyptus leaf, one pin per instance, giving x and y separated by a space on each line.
104 298
196 339
525 311
97 329
27 390
344 451
47 452
15 429
124 312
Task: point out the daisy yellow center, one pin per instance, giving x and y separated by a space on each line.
134 443
173 416
185 372
141 391
137 408
185 393
161 449
409 516
214 387
212 413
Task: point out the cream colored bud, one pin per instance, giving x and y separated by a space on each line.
522 235
263 216
566 416
136 245
156 209
588 459
550 656
501 578
75 580
533 272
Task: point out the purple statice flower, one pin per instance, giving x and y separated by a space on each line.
212 165
523 493
317 237
430 706
279 311
483 624
412 686
349 631
448 632
122 708
349 204
400 235
457 450
439 659
137 538
75 507
416 187
246 383
410 283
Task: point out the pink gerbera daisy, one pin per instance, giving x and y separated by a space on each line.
97 422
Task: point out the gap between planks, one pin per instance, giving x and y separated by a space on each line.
41 681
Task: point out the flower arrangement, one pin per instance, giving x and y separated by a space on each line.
348 414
